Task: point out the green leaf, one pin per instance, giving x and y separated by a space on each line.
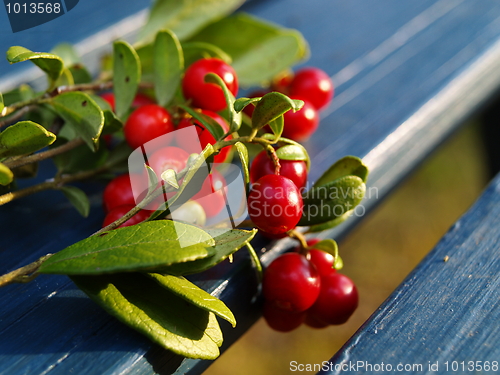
271 106
81 112
348 165
208 122
293 152
233 116
339 263
226 244
6 175
277 126
78 199
185 17
329 246
168 61
80 158
287 141
144 246
260 50
197 50
112 123
126 76
65 79
327 202
2 105
241 103
330 224
49 63
80 74
193 294
67 53
156 312
23 138
245 164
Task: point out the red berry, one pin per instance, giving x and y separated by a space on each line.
275 204
118 212
295 170
301 125
211 194
322 260
204 136
291 283
147 123
208 95
281 82
281 320
168 158
337 300
313 84
118 192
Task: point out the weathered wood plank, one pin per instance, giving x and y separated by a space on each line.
446 310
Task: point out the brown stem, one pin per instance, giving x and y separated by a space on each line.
17 115
301 238
276 161
51 184
23 274
44 155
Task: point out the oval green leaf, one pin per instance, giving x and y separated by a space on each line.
193 294
208 122
78 199
226 244
241 103
2 105
242 150
82 113
23 138
259 49
233 116
6 175
49 63
144 246
271 106
277 126
348 165
327 202
168 65
126 76
155 312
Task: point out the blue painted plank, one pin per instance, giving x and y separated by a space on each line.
444 312
406 74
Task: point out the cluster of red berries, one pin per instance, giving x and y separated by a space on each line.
307 289
149 121
314 87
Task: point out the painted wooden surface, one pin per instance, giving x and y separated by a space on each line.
446 312
406 75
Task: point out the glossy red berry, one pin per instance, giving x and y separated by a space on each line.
314 85
300 125
322 260
204 136
275 204
281 320
295 170
118 192
291 283
168 158
208 95
337 299
118 212
147 123
211 194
